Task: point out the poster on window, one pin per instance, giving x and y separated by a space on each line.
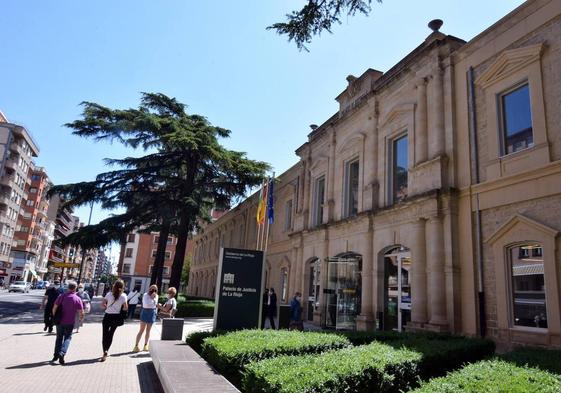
239 285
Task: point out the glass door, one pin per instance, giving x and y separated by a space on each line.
343 293
397 290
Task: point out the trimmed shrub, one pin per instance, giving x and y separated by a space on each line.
362 337
370 368
195 339
544 359
494 376
195 308
442 355
230 352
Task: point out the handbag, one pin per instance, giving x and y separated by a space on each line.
87 308
122 315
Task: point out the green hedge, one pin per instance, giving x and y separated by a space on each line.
494 376
195 339
375 367
195 308
440 355
363 338
544 359
230 352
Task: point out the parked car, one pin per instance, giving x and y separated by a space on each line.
19 286
41 285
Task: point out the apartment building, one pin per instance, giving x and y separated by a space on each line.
431 199
136 259
33 233
17 150
64 224
102 265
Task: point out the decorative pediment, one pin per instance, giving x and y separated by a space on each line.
320 162
357 138
398 112
523 223
508 63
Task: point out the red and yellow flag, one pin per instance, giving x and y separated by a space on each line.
262 206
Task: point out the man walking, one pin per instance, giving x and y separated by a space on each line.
51 294
71 304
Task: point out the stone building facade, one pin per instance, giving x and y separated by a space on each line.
404 204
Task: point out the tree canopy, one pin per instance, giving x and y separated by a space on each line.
316 16
184 173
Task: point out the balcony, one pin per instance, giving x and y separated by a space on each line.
8 180
11 164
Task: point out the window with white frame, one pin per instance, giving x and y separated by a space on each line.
128 252
516 120
168 255
351 188
319 201
126 268
284 284
528 299
400 163
130 237
288 215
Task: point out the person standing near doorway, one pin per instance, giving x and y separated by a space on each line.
272 307
86 300
264 307
113 303
133 298
51 294
71 304
147 316
296 322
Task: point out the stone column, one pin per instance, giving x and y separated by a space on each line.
421 138
436 135
437 282
366 319
372 158
331 178
307 191
419 275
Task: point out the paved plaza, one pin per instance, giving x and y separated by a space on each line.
27 350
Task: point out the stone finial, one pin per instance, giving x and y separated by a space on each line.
351 79
435 24
313 126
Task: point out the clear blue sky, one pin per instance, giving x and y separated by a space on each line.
215 56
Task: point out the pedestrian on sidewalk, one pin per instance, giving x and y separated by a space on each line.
264 307
133 298
51 294
272 307
86 300
114 302
296 322
147 316
170 306
70 304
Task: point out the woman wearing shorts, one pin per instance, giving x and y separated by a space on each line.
147 316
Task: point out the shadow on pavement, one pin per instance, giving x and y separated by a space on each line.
148 378
30 334
83 361
29 365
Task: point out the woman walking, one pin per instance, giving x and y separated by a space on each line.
78 323
113 303
133 299
147 316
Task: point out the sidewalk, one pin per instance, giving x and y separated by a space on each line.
26 351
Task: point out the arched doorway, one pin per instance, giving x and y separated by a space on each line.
397 288
343 292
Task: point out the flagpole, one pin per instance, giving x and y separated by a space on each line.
271 190
257 218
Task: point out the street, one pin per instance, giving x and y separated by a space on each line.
27 350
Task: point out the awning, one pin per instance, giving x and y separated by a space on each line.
527 270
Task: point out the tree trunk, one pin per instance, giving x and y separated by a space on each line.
180 250
158 268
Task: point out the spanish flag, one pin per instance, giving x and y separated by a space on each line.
262 207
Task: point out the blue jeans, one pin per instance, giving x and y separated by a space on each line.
63 338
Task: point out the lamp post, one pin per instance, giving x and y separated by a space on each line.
84 249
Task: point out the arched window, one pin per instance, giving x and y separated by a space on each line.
527 292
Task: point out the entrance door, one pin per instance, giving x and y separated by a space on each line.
397 290
343 292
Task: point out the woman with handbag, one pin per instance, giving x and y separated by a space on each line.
78 323
116 308
147 316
